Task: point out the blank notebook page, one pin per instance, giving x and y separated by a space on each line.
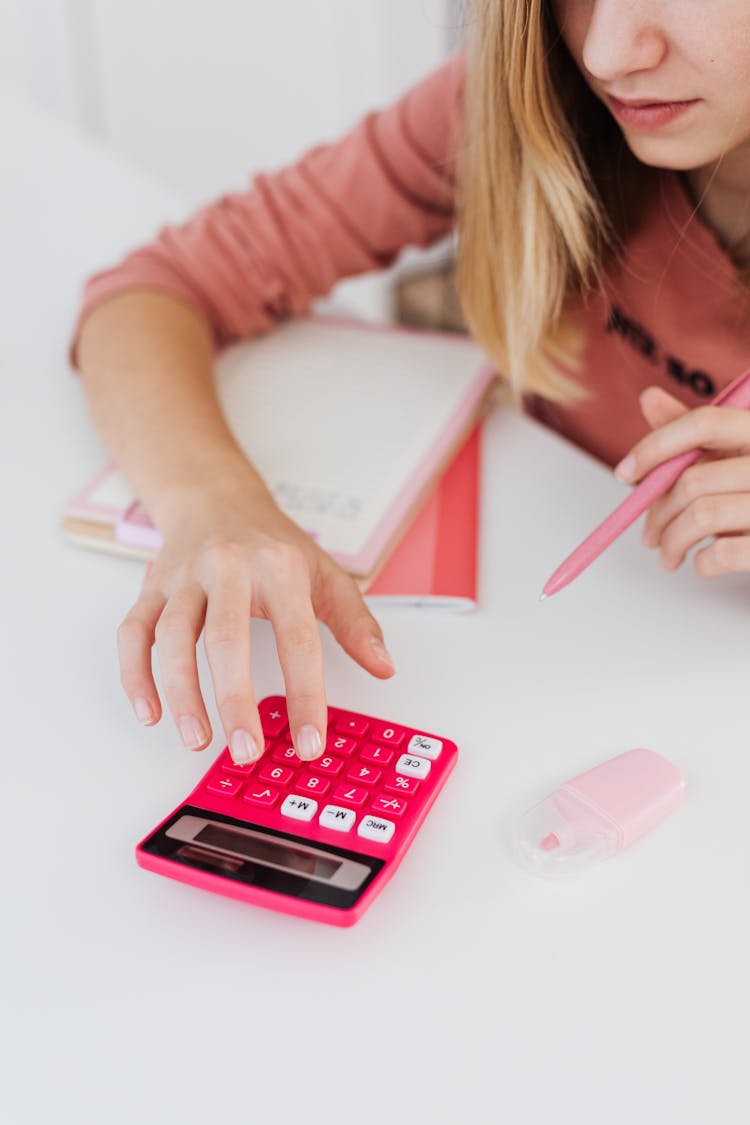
347 424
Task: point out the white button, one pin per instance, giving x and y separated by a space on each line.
412 767
333 816
373 828
425 747
301 808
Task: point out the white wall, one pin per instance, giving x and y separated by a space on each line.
201 93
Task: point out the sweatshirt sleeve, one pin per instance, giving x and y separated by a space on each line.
252 258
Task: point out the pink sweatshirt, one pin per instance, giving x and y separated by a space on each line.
671 313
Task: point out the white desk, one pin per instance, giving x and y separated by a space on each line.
470 991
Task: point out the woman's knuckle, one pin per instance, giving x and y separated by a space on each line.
704 511
704 421
300 640
232 700
223 630
173 622
282 559
690 487
725 553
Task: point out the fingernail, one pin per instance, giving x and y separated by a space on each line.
192 732
308 743
381 651
144 712
243 748
626 469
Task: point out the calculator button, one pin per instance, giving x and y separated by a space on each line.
390 806
261 795
425 747
352 794
307 783
224 786
377 755
406 786
285 754
228 766
365 775
337 818
329 766
353 725
383 732
413 767
281 775
274 719
339 744
374 828
301 808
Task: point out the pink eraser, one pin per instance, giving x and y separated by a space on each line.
598 813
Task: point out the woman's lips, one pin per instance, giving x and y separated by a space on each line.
647 115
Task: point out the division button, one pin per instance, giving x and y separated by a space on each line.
224 786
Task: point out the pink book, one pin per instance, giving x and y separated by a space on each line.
435 563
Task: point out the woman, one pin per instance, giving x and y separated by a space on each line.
594 157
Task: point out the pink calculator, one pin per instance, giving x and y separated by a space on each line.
319 839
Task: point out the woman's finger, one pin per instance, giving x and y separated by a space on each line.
659 407
177 632
706 517
726 555
339 603
135 639
705 478
226 637
285 599
717 428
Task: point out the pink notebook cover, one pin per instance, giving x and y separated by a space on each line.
435 563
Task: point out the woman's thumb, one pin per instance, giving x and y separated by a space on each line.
659 407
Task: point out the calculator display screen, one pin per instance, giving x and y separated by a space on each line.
268 851
263 857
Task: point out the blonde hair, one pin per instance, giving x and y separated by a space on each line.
547 191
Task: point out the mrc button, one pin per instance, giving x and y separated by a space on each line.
375 828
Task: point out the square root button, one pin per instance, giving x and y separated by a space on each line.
375 828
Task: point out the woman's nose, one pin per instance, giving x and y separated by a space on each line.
623 37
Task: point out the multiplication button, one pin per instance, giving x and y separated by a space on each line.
337 818
413 767
375 828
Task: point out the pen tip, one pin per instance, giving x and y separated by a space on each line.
542 597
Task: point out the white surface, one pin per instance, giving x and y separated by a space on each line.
619 995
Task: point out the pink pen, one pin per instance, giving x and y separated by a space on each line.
653 485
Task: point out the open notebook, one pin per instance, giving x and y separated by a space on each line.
349 424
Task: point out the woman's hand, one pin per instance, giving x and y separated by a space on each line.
229 553
711 499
